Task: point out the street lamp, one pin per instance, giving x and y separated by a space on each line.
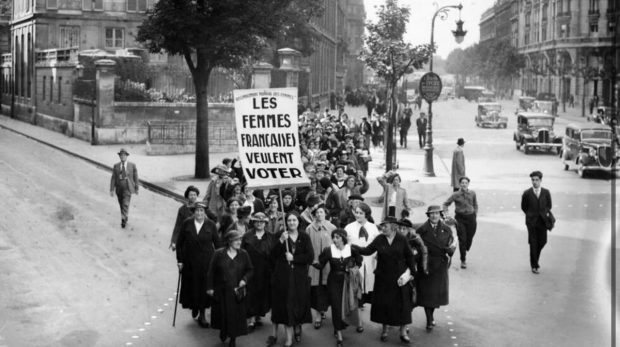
459 35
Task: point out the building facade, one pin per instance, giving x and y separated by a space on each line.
570 46
356 24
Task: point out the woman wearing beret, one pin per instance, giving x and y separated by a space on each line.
259 244
320 235
433 287
191 195
392 295
198 240
290 285
344 270
229 272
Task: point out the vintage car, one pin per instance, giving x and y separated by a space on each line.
588 146
487 96
604 115
535 131
525 104
490 114
545 106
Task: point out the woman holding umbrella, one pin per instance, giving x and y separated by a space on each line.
198 240
229 272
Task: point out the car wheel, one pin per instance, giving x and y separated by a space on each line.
517 145
526 149
580 170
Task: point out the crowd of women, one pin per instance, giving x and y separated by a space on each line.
302 253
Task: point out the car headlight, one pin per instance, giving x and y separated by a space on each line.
592 152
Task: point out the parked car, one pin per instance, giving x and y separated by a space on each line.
588 146
525 104
490 114
472 93
544 106
535 131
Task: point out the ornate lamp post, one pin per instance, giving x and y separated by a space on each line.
459 35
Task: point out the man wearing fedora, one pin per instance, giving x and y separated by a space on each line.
124 182
458 164
536 204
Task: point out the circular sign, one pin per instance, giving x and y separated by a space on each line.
430 86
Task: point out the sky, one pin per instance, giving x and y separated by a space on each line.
419 28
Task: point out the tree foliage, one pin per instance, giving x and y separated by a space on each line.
216 33
390 57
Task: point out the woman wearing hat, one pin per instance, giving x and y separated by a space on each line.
230 216
228 275
198 240
391 299
259 244
214 200
320 235
290 288
184 212
275 216
351 187
395 196
361 233
433 287
288 198
344 264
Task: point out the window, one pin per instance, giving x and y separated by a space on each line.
43 94
51 88
69 36
594 27
59 89
52 4
98 5
136 5
611 27
114 37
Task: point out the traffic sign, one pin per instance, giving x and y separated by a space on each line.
430 86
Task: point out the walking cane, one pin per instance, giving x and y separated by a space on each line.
176 301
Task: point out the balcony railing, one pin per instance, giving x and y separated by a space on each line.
56 54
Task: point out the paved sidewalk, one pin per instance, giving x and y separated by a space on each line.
171 174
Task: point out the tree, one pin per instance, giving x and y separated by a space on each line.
215 33
390 57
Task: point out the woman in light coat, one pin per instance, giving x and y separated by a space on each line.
395 197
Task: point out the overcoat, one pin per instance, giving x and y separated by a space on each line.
259 286
290 284
195 250
391 304
458 166
433 289
402 202
228 313
183 213
320 236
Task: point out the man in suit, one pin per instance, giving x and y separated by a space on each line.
421 125
124 182
536 204
458 164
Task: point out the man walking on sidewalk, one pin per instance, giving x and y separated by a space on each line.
465 212
124 182
421 125
458 164
536 204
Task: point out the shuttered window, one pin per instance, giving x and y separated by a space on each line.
69 36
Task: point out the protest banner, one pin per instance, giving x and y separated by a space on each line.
268 137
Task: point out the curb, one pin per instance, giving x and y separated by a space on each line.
147 185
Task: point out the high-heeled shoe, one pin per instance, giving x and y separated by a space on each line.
405 339
271 340
338 343
359 329
232 342
297 333
384 336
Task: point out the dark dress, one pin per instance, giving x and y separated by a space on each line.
335 281
195 251
259 286
433 288
391 304
290 284
183 213
228 313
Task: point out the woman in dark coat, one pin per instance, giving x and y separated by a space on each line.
198 240
191 194
433 287
391 300
228 274
259 244
229 216
342 260
290 285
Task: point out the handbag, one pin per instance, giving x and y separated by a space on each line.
414 293
240 293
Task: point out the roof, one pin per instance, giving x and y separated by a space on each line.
536 115
589 126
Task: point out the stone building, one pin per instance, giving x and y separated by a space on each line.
570 46
356 23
